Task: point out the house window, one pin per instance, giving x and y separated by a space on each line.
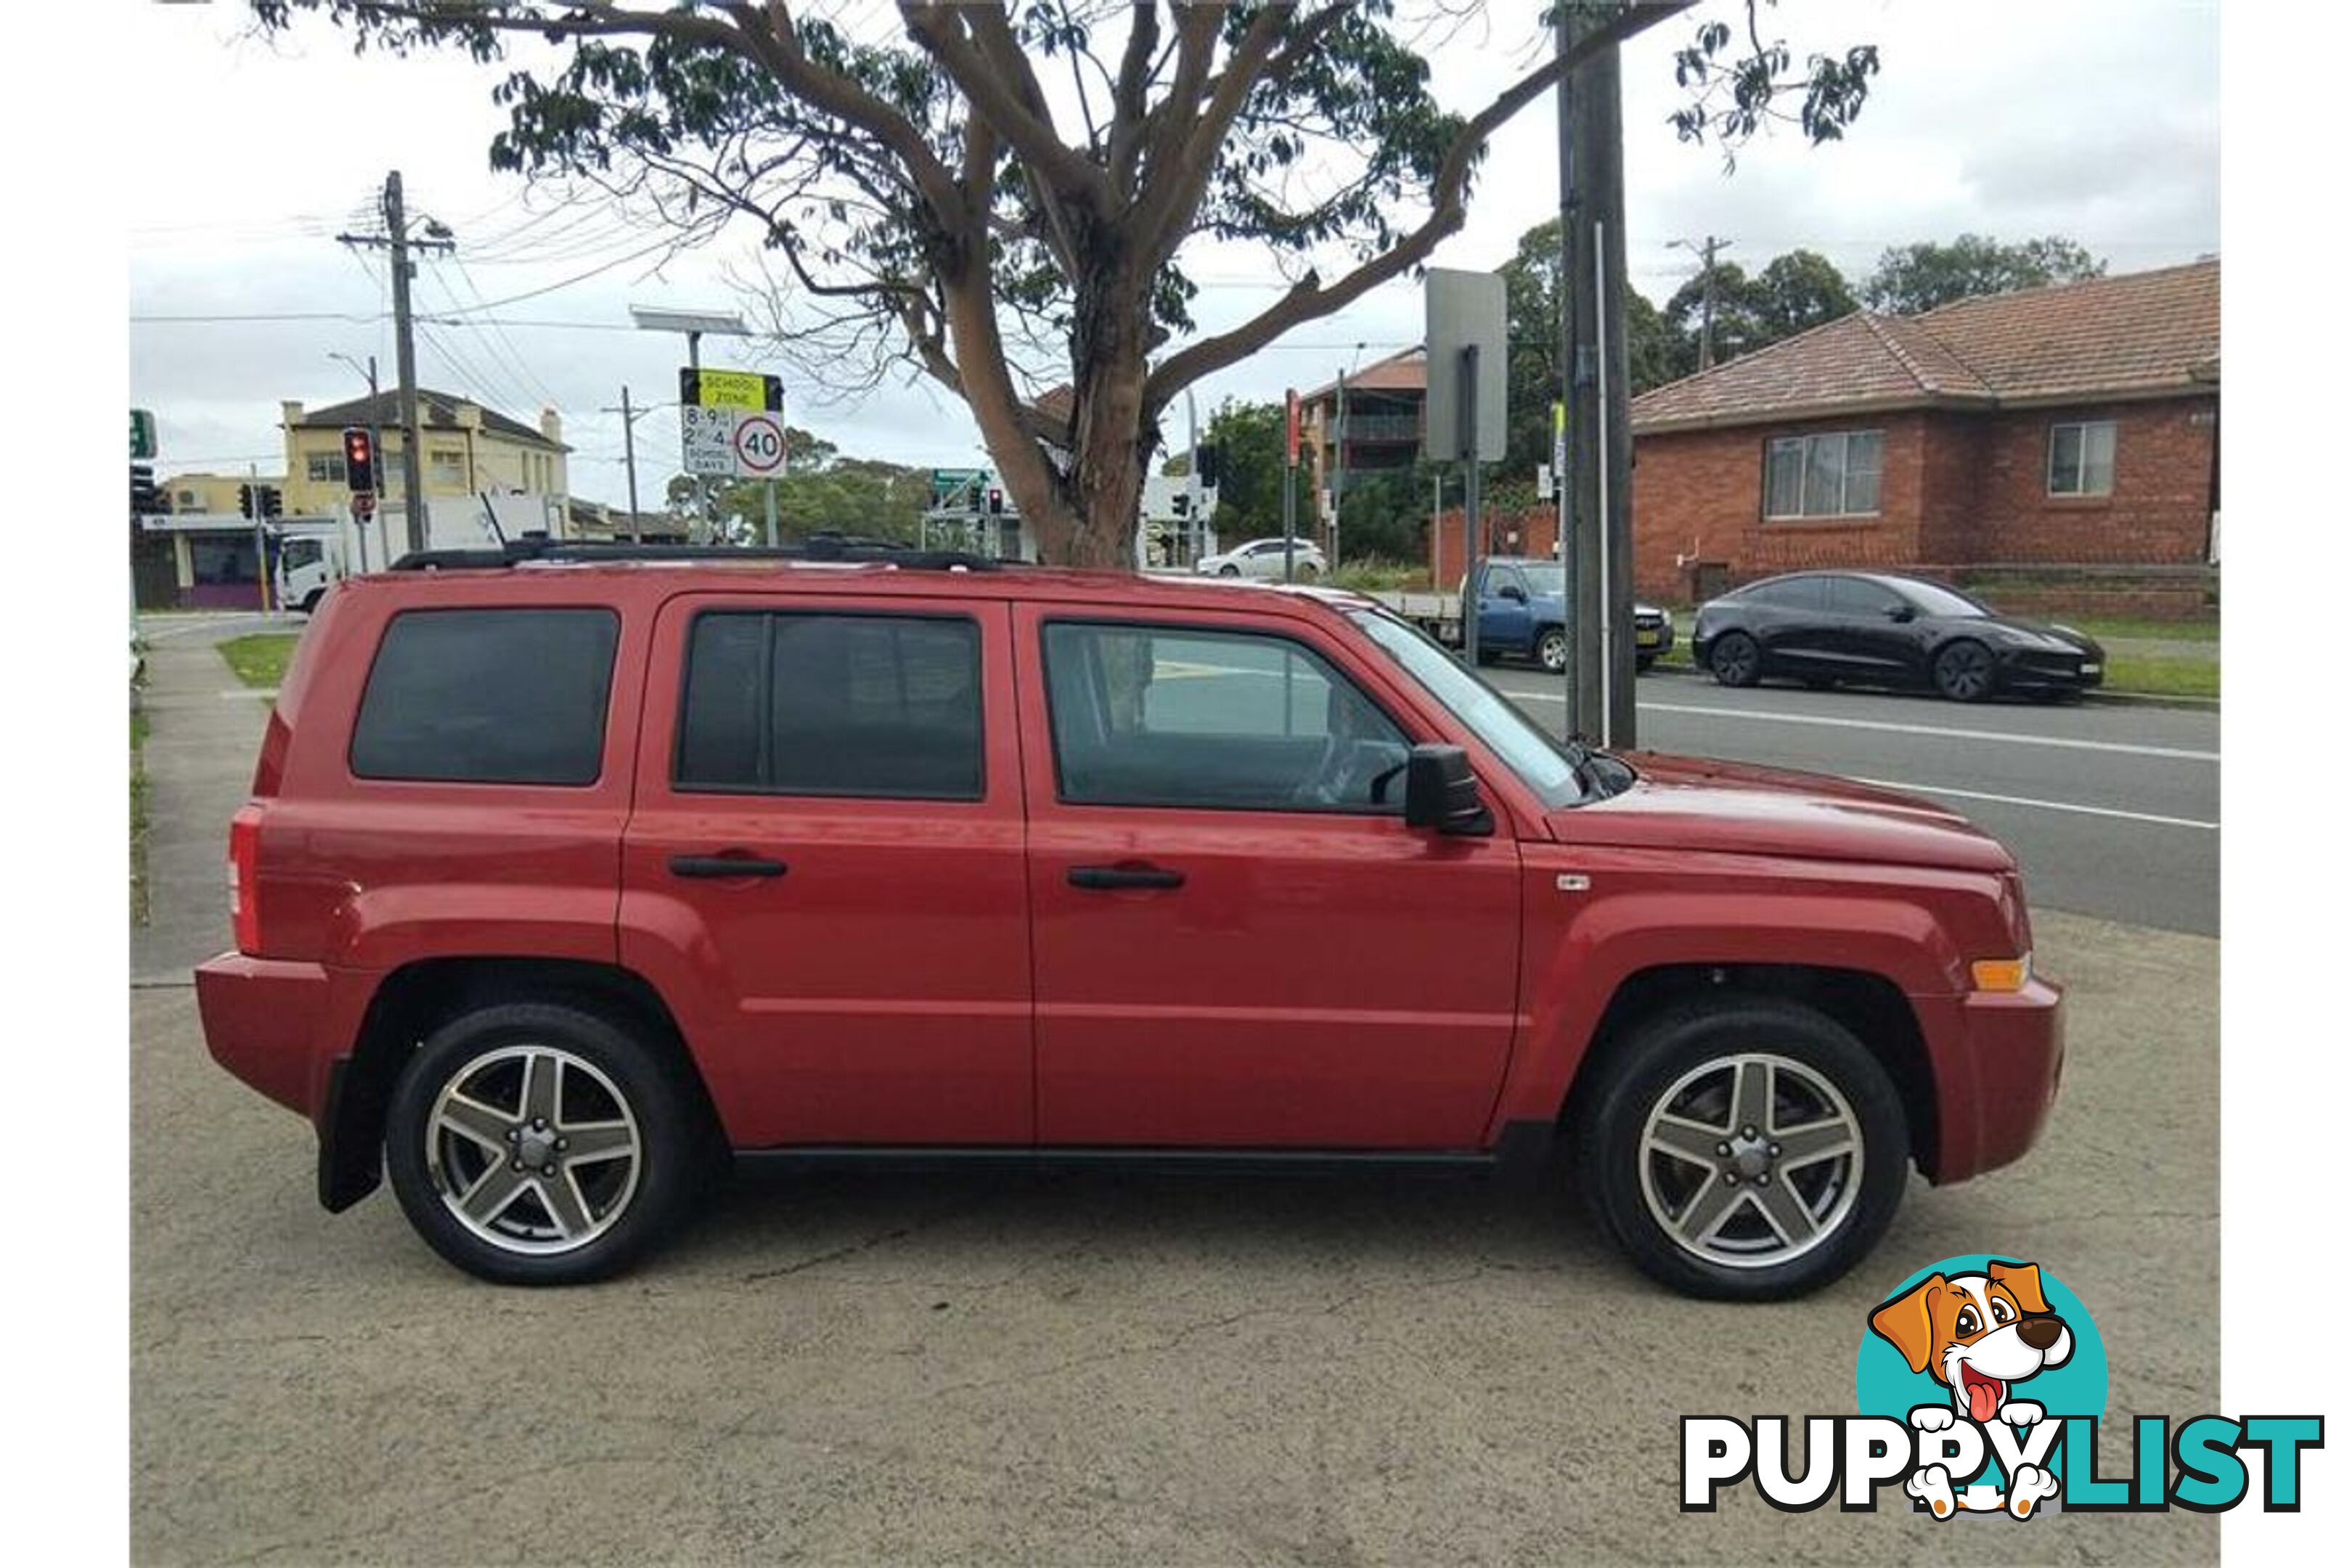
2082 458
1823 476
325 468
448 467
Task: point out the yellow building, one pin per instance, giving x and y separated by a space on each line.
211 492
464 449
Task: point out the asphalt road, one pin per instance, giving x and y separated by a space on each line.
2112 809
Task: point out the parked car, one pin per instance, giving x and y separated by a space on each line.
1877 629
567 873
1523 614
1262 559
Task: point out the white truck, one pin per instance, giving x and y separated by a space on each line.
314 553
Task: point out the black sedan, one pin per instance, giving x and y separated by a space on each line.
1873 629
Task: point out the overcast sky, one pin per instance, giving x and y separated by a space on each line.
2096 119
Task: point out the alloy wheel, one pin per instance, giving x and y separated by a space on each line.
1553 651
533 1149
1750 1160
1964 671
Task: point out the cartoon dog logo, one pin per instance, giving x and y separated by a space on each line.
1979 1335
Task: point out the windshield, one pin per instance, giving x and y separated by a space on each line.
1510 734
1935 599
1546 579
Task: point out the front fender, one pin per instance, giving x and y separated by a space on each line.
1584 945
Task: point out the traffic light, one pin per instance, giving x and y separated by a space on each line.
995 503
273 501
1210 459
359 461
144 500
245 502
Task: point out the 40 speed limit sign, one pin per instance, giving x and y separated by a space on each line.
759 445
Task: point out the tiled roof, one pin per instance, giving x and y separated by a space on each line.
1407 371
432 408
2124 336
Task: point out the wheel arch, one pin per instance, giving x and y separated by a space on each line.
1869 1006
417 998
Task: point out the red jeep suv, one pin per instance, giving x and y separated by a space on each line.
567 873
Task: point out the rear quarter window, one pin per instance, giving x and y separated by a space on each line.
488 696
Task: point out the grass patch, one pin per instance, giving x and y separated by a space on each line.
139 793
1371 575
2144 631
2147 674
260 659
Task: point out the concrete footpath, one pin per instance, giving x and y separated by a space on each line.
204 733
1088 1369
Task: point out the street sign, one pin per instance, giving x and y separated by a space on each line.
730 389
143 434
710 440
957 489
1465 312
759 445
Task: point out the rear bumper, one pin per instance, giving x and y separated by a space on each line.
1998 1072
279 1025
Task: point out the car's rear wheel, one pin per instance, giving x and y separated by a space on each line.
1735 659
1745 1147
1551 650
1964 670
1304 571
535 1143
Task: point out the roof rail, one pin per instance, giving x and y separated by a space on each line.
817 547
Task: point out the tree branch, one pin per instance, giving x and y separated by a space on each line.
940 30
1309 300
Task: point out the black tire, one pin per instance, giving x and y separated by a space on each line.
1642 662
1551 650
1634 1080
310 601
672 1143
1229 571
1305 572
1963 671
1735 659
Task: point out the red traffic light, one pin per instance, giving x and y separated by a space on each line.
359 461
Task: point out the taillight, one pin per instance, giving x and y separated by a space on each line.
245 880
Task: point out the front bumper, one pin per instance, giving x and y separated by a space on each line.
2033 669
1997 1063
1651 640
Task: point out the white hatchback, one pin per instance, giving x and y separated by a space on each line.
1262 559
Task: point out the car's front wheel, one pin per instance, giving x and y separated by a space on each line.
1964 671
1735 659
1229 570
1745 1147
537 1143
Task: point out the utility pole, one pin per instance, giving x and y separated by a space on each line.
395 238
629 456
1600 445
1339 469
1576 675
1704 250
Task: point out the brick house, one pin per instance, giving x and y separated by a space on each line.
2072 429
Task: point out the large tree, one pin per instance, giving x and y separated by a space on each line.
1531 303
1913 277
939 192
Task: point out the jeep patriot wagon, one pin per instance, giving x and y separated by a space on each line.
567 873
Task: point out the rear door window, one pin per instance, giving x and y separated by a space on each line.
488 696
825 704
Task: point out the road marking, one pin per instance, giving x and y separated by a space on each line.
2045 804
1953 732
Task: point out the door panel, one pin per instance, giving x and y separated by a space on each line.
1250 976
1503 624
877 991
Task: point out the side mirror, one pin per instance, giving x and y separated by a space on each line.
1512 592
1901 612
1441 793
